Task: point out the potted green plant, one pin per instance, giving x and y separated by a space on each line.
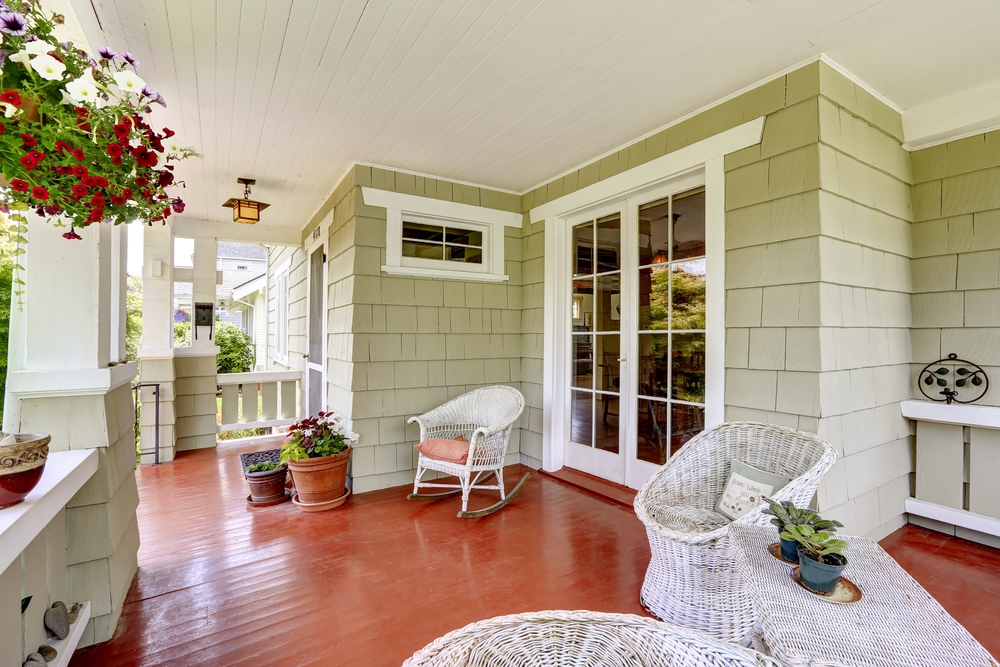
266 480
821 557
317 451
785 514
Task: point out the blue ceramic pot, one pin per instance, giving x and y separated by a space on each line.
820 577
789 550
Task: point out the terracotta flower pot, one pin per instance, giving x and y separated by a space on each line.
21 466
267 485
320 480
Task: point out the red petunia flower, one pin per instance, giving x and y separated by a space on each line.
114 150
167 212
80 191
28 162
166 178
118 200
142 181
167 133
90 181
2 128
80 172
19 185
38 192
82 112
101 181
122 131
62 146
144 157
71 234
66 171
127 193
52 209
178 206
28 141
96 215
11 97
83 126
98 201
79 154
37 156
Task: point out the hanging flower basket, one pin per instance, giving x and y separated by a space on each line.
76 145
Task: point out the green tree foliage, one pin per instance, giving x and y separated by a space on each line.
133 318
236 351
7 254
182 334
689 300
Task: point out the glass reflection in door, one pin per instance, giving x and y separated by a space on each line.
596 333
671 324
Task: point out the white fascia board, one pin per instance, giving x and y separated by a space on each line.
70 382
978 416
65 474
235 231
439 208
963 114
670 165
246 289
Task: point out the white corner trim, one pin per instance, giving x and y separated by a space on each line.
436 178
65 474
953 516
978 416
833 64
78 382
444 274
440 208
957 116
667 166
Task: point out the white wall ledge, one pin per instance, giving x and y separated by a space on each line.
65 473
954 516
69 382
979 416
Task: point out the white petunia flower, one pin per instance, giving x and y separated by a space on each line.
9 109
83 89
38 48
22 57
129 82
173 146
48 67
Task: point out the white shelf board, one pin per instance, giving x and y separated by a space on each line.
980 416
66 647
954 516
65 473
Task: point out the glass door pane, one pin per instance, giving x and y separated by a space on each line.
670 382
595 333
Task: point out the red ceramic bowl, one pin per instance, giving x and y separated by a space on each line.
15 486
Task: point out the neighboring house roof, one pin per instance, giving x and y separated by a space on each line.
232 250
249 287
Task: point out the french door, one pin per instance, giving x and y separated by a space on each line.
636 332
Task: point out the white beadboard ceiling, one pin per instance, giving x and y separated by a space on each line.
509 93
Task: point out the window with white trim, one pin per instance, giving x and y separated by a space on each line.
281 314
441 239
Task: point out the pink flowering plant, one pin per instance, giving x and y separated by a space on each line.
76 144
313 437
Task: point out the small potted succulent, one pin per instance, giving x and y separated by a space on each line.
821 557
317 451
786 514
266 480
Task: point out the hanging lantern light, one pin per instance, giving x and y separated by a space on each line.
246 210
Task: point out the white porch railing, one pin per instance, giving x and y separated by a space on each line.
258 400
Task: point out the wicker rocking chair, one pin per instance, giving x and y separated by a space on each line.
484 417
580 639
693 579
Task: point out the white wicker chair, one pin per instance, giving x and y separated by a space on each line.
484 417
578 639
693 578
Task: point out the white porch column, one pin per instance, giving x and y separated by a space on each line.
195 366
65 380
157 353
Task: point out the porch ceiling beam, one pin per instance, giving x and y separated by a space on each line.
232 231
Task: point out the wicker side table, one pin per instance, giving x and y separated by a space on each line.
896 623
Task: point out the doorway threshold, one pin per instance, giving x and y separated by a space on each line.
593 485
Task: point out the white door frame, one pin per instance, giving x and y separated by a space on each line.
704 159
316 243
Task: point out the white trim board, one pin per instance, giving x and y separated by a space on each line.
65 474
957 116
953 516
977 416
662 168
438 207
437 178
70 382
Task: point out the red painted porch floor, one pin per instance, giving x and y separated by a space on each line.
369 584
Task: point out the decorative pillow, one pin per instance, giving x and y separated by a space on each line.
442 449
746 488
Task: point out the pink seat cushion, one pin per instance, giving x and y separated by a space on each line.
442 449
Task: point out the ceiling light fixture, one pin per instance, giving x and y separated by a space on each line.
246 210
